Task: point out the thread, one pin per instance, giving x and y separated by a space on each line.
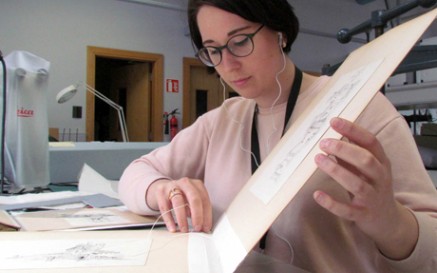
209 237
149 236
181 235
241 125
275 129
288 243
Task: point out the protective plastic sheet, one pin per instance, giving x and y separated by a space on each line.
27 155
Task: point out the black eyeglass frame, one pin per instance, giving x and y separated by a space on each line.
219 49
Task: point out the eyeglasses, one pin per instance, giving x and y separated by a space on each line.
240 45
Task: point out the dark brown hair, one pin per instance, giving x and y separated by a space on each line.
277 15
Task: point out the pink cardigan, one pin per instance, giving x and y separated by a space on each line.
215 150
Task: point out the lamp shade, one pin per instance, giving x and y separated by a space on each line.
66 93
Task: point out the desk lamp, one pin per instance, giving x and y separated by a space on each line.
69 91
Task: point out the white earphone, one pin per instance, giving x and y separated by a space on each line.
280 39
281 42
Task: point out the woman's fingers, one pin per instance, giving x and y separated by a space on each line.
361 154
165 207
181 200
198 203
354 183
361 138
178 203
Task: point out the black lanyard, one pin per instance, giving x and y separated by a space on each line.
255 156
292 98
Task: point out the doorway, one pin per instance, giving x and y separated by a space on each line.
203 90
133 80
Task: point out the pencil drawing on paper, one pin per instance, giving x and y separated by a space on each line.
309 132
93 217
81 252
320 122
24 254
81 216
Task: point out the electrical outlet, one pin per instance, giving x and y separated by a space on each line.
77 111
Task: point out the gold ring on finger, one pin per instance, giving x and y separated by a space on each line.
173 192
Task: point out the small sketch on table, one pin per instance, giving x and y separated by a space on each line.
82 252
91 217
77 217
73 253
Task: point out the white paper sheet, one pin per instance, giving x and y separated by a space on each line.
92 182
89 218
228 244
202 254
219 252
39 197
33 254
309 133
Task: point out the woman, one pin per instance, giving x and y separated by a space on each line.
370 206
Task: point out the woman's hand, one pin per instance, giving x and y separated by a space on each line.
187 197
360 165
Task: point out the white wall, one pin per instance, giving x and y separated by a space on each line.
60 30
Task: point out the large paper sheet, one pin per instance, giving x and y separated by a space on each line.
138 251
93 251
83 219
255 208
69 253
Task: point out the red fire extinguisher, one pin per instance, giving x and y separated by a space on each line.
173 123
166 127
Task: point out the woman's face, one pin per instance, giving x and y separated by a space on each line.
252 76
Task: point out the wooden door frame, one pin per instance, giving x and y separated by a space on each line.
157 68
188 64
